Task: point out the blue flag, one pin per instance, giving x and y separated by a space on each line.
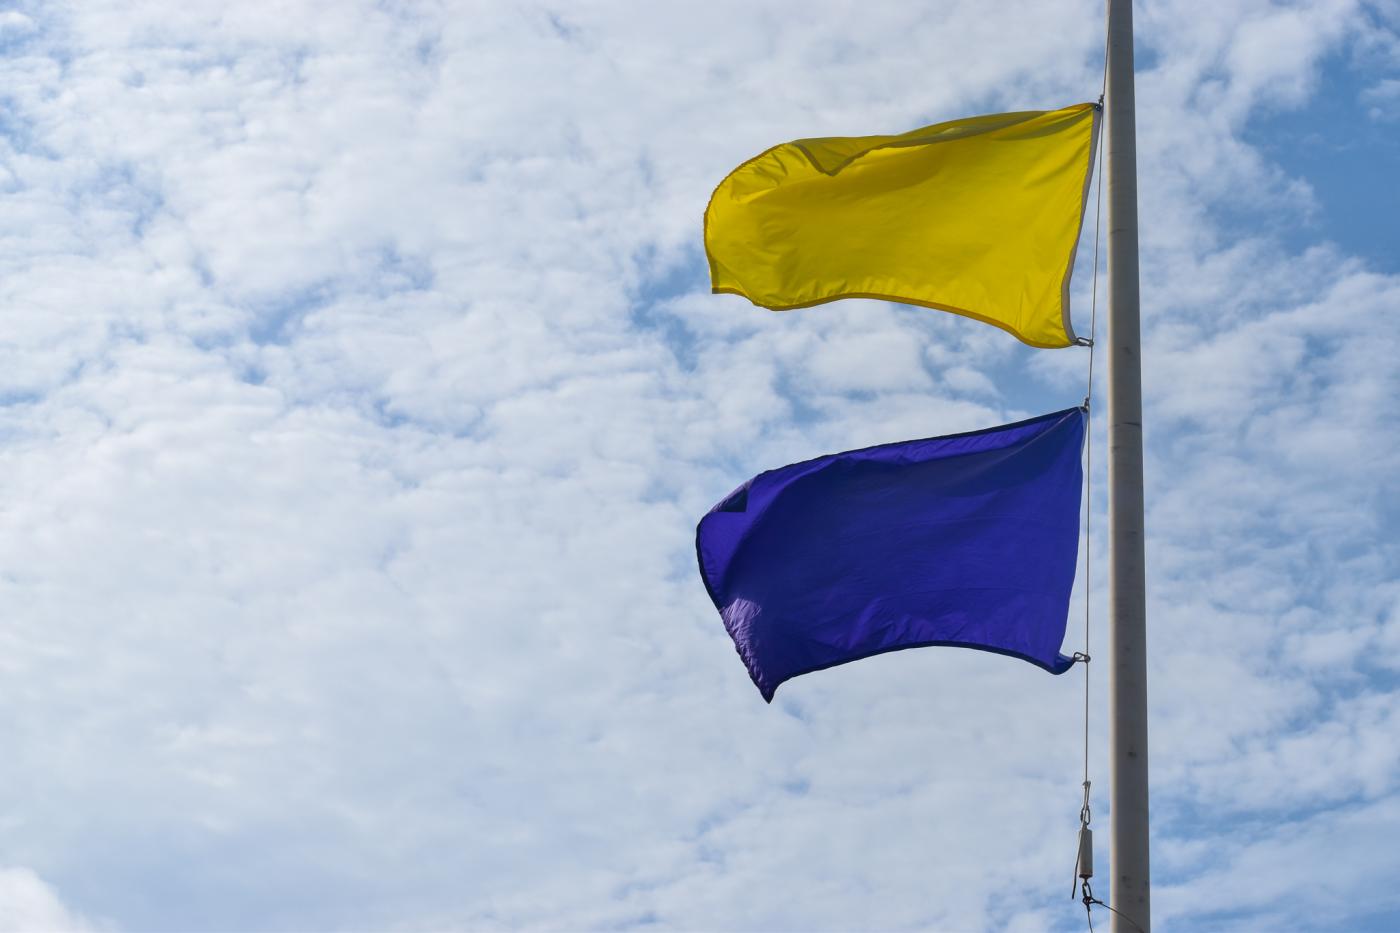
967 540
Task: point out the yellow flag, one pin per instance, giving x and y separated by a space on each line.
979 216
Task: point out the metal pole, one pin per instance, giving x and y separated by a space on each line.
1127 637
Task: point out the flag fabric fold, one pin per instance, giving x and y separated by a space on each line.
979 216
968 540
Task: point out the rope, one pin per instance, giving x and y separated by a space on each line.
1088 396
1089 900
1103 86
1085 814
1089 451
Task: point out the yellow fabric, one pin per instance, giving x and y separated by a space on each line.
979 216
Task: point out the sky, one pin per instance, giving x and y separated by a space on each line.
360 388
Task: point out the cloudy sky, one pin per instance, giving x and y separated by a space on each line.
360 389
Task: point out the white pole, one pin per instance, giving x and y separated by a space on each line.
1127 672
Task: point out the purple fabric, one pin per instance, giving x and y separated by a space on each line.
968 540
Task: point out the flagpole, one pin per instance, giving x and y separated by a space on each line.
1127 680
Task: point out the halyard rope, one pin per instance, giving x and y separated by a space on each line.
1084 811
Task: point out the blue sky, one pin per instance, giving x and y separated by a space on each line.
1343 143
360 388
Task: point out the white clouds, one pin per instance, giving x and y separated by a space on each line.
28 904
362 394
1382 100
14 23
1297 876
